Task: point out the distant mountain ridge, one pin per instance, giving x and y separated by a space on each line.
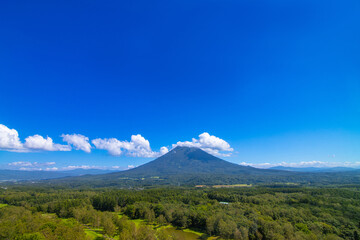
185 166
314 169
21 175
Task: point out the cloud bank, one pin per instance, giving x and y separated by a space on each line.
10 141
138 146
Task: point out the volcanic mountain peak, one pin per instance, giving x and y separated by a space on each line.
183 160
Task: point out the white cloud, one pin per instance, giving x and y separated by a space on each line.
9 139
37 142
163 150
130 166
112 145
208 143
137 147
79 141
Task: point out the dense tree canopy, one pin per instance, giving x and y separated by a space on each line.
230 213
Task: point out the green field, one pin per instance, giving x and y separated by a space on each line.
2 205
232 185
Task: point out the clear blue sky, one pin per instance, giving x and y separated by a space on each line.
277 80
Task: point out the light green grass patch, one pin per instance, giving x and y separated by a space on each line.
92 234
188 234
192 231
3 205
231 186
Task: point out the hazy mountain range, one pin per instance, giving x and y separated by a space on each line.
188 166
314 169
18 175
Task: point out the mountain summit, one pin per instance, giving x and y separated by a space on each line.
188 160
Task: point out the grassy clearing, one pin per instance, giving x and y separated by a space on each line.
224 186
187 234
136 221
231 186
192 231
3 205
93 234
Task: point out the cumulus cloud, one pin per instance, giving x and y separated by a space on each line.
137 147
112 145
163 150
38 142
79 141
208 143
9 139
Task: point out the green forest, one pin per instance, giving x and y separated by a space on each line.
257 212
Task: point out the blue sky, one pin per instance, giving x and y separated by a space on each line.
269 81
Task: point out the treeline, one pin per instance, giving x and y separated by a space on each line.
242 213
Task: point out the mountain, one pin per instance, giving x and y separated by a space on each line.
314 169
188 160
19 175
181 166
